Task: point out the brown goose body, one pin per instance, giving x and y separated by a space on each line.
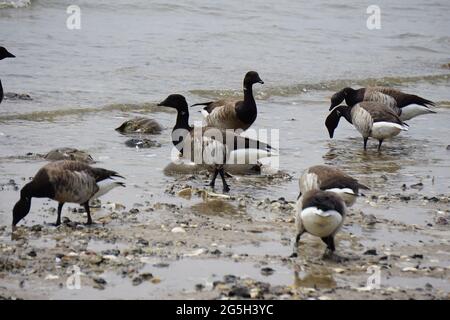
233 113
329 178
371 119
406 106
223 114
65 181
320 213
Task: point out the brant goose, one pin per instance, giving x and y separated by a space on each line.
4 54
329 178
321 213
209 144
140 125
231 113
406 106
371 119
65 181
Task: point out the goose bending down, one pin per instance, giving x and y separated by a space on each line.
4 54
371 119
231 113
208 145
406 106
321 214
65 181
329 178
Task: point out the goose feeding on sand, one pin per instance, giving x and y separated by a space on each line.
65 181
406 106
371 119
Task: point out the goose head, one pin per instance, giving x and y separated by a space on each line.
22 207
176 101
335 115
339 96
251 78
5 54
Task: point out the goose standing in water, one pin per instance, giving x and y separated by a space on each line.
4 54
65 181
231 113
211 146
371 119
406 106
322 214
332 179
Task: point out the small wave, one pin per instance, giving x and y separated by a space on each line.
333 85
50 115
15 4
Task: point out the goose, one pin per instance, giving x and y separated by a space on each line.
321 214
406 106
4 54
330 178
231 113
208 145
65 181
371 119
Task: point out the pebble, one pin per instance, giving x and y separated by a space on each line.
409 269
100 281
239 291
178 230
371 252
267 271
195 253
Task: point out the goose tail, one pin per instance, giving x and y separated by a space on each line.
201 104
106 187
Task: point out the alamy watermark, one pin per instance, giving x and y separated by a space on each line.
374 280
73 22
374 20
213 146
74 280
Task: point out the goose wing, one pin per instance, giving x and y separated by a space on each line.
382 96
380 112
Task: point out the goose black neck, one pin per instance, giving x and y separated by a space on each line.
1 91
247 111
182 119
346 113
355 96
181 129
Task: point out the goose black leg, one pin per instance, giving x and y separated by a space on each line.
58 219
213 181
296 241
365 143
329 253
88 211
329 241
226 188
379 144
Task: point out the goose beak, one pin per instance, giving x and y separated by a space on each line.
9 55
260 81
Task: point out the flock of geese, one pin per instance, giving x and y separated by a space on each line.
325 191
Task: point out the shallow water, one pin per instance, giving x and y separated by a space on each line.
127 57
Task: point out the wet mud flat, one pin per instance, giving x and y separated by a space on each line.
227 247
167 236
